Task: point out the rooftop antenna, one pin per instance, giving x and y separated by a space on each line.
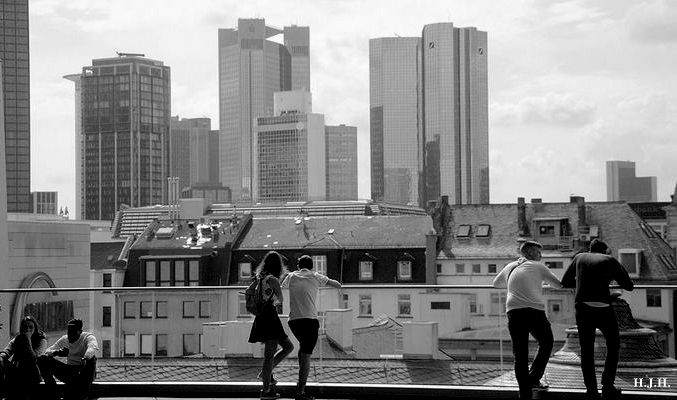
397 35
120 54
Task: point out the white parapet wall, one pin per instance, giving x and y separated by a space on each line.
339 327
229 339
420 340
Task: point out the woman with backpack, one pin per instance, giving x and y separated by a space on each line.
267 327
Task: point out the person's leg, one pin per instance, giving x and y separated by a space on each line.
586 325
541 331
79 387
519 335
308 340
286 348
268 357
609 327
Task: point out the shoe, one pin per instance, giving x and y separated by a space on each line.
538 385
592 395
272 378
611 393
269 394
303 396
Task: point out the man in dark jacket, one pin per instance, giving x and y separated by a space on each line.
590 273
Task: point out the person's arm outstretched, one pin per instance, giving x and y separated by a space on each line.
621 276
92 346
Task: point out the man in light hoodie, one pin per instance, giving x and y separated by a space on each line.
303 285
525 308
80 349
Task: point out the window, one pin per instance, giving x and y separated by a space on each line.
439 268
205 309
366 270
179 273
190 344
107 280
105 349
146 309
483 230
165 279
653 298
460 268
463 231
150 273
188 309
161 309
546 230
497 300
245 270
554 306
130 309
365 305
440 305
491 268
130 345
476 268
554 264
345 304
404 305
472 303
146 344
320 264
242 305
106 316
404 270
161 344
193 273
630 258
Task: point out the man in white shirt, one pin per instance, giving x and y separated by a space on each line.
80 369
303 285
525 307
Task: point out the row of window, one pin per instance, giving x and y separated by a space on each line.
171 273
142 344
366 269
492 268
190 309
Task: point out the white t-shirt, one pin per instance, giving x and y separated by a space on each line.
525 284
303 286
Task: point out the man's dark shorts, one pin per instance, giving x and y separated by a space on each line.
305 330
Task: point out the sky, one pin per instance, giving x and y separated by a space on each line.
571 83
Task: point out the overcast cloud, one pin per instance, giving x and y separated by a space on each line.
571 83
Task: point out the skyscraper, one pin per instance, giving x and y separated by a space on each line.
251 69
179 153
297 41
288 152
16 95
429 119
341 159
623 185
125 107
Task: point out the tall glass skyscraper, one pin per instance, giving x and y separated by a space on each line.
341 159
251 69
125 109
429 119
16 95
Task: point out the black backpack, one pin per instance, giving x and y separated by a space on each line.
253 296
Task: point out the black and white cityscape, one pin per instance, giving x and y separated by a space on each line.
154 154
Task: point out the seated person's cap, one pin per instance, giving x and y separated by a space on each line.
530 243
76 323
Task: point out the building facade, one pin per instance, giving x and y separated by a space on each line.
14 53
179 156
622 184
45 202
287 157
341 162
79 148
251 69
429 93
192 151
125 105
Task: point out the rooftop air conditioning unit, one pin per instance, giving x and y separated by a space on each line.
584 237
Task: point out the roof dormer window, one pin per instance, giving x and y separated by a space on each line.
463 231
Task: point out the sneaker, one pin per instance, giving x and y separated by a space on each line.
269 394
272 378
611 393
538 385
303 396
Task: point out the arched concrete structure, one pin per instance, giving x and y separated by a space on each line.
20 300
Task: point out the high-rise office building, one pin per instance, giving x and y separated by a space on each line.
341 160
429 119
214 156
288 152
179 154
251 69
16 96
297 41
622 184
45 202
191 150
125 108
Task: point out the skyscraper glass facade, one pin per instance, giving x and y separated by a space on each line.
341 158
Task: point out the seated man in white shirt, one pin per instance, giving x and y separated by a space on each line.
303 285
80 369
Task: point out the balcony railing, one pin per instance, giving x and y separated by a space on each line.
406 339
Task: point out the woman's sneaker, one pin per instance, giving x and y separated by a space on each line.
272 378
269 394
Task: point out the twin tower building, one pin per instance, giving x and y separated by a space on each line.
428 123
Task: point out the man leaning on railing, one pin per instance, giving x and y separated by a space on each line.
80 369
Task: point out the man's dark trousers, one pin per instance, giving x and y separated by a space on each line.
77 378
521 323
588 318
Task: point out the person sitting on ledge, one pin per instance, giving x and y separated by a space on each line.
80 369
19 374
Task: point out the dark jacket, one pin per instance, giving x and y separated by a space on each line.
591 273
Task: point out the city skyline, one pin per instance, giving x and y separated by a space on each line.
572 100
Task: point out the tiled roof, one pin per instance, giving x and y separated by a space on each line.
650 210
103 255
347 232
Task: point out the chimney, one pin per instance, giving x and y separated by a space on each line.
580 203
536 201
522 225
